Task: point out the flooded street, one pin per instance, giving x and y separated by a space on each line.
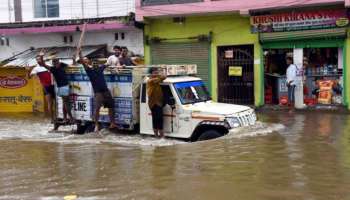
285 156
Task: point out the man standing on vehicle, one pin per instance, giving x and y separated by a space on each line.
125 59
155 100
103 96
113 60
59 73
291 80
46 81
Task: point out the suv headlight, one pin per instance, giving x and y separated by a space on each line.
233 122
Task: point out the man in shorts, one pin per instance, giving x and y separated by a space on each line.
46 81
155 100
59 73
102 94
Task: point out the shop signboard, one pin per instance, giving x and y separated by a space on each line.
12 82
294 21
235 70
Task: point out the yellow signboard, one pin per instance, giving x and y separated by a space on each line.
235 70
18 93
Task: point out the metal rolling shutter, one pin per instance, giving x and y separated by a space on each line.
183 53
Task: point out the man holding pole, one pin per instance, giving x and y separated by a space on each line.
102 94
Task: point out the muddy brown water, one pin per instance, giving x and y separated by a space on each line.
288 156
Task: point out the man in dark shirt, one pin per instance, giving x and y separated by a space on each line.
102 94
59 73
124 59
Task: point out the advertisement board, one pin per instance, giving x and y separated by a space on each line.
18 93
123 111
81 107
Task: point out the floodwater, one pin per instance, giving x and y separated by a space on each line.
300 156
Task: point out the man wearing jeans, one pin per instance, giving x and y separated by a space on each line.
291 80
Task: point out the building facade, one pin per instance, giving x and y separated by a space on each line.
45 23
232 52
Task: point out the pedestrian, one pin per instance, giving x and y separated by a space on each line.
102 94
59 73
291 80
113 60
155 100
46 81
125 59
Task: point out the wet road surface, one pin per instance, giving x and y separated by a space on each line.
285 157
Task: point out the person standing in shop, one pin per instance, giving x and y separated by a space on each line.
291 80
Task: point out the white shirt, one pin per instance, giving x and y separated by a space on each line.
38 69
291 74
113 61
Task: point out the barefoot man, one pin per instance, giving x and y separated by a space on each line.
103 96
155 100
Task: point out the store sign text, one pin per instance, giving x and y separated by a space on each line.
15 99
12 82
299 21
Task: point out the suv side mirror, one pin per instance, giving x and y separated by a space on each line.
171 101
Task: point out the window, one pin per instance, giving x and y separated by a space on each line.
167 94
68 39
143 94
46 8
116 36
4 41
192 92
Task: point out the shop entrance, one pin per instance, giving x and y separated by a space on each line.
236 74
321 70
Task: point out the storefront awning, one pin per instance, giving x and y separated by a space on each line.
65 54
303 35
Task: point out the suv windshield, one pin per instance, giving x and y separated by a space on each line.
192 92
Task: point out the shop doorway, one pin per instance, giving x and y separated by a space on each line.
321 71
236 74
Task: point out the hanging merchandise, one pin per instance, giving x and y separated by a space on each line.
325 93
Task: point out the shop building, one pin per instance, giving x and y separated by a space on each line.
317 40
233 52
226 52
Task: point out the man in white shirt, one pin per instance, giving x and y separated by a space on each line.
113 60
291 80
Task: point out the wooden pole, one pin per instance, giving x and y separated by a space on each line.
80 43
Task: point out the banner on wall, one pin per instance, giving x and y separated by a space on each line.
294 21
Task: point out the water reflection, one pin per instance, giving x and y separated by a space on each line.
308 159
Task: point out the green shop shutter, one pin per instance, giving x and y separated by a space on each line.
183 53
303 35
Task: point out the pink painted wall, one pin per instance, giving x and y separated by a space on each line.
234 6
